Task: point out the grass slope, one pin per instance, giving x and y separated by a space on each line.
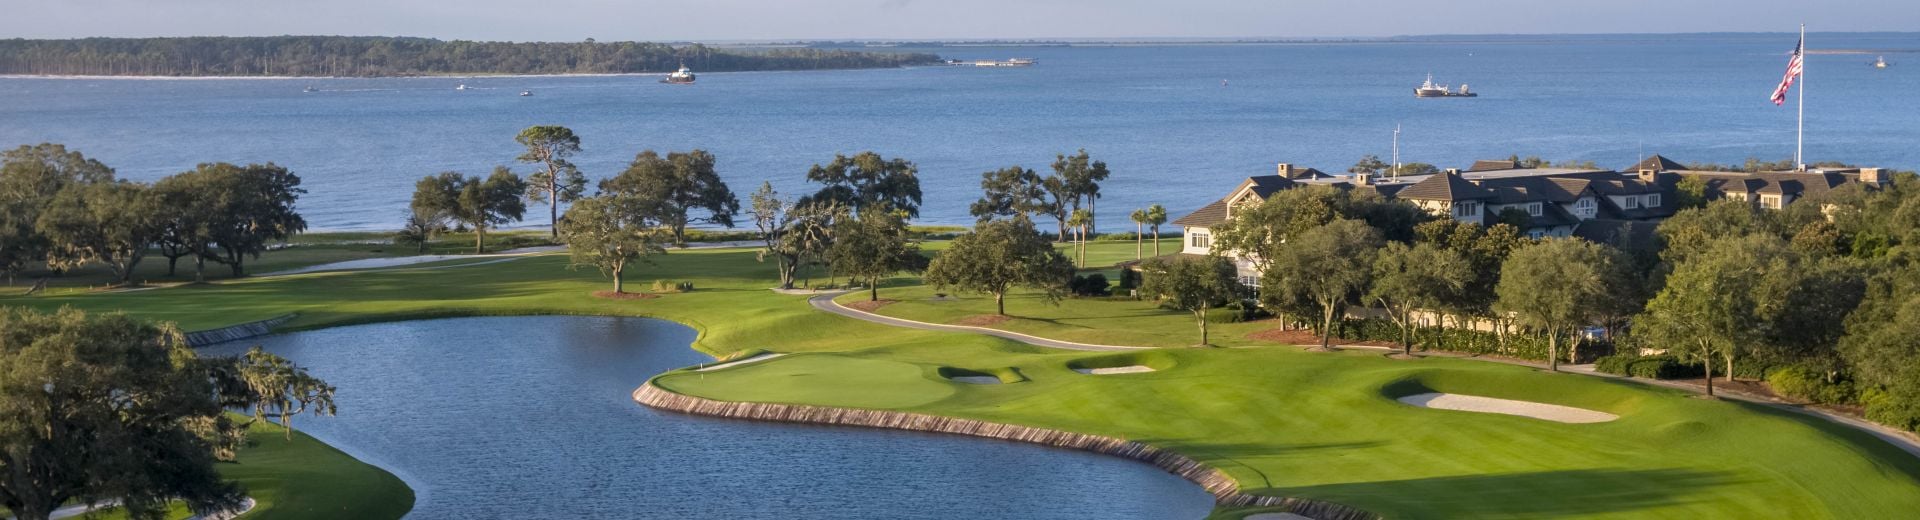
302 478
1279 420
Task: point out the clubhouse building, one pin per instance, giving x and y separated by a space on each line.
1595 204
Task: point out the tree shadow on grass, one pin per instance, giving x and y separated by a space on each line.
1545 494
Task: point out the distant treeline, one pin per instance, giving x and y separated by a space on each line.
392 56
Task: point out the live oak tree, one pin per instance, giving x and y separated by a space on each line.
1485 249
105 408
249 207
1553 285
112 223
1156 215
1007 192
810 235
611 232
30 177
273 387
1416 278
872 246
866 183
1195 284
1080 176
1330 266
998 256
557 181
675 186
774 218
478 203
421 226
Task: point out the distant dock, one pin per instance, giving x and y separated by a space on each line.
1011 62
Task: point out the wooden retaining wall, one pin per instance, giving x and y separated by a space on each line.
1225 491
236 332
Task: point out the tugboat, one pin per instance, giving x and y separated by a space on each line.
1429 89
684 76
1880 62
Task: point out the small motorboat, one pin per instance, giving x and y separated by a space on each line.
310 89
463 86
1880 62
525 93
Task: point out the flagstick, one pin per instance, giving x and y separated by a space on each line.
1800 139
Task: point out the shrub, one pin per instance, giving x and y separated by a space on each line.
1090 285
670 286
1663 367
1129 279
1225 315
1810 384
1615 364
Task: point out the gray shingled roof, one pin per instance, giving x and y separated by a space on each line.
1655 163
1445 186
1207 216
1489 165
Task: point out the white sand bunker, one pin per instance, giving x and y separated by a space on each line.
756 358
1129 369
976 380
1542 411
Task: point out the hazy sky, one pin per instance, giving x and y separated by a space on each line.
569 20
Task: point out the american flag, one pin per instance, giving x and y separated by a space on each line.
1793 72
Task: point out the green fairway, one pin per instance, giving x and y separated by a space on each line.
1279 420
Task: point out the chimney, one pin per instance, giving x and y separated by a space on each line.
1873 176
1286 170
1453 171
1363 179
1648 175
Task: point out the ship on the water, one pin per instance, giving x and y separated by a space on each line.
1880 62
1429 89
684 76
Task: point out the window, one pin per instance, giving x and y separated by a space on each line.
1586 203
1201 240
1535 209
1466 209
1536 234
1653 201
1250 281
1633 202
1770 201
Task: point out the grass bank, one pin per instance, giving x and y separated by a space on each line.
1279 420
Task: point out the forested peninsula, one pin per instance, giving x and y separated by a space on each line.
362 56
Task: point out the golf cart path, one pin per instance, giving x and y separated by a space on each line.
1906 441
824 301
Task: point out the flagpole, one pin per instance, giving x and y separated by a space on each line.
1800 138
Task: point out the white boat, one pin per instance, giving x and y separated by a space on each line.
525 93
311 89
1430 89
463 86
684 76
1880 62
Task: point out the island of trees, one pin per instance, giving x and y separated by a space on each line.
362 56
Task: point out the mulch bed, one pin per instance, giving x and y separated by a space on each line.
982 320
870 305
624 295
1306 337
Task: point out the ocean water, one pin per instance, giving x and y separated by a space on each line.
1177 124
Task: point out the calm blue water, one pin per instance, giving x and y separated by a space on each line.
1157 114
531 417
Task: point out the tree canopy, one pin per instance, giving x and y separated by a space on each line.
1196 284
999 256
1330 266
1554 286
610 232
867 183
675 186
473 201
557 181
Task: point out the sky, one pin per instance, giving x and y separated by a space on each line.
735 20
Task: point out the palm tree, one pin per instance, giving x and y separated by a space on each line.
1156 215
1139 230
1080 220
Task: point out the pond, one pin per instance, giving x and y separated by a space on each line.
532 417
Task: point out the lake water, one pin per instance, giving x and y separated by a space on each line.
530 417
1179 125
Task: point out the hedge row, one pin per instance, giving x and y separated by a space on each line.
1523 346
1648 367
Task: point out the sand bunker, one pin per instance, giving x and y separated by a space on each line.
1542 411
976 380
756 358
1129 369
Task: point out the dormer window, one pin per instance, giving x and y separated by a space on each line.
1770 201
1653 201
1633 202
1536 209
1466 209
1586 203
